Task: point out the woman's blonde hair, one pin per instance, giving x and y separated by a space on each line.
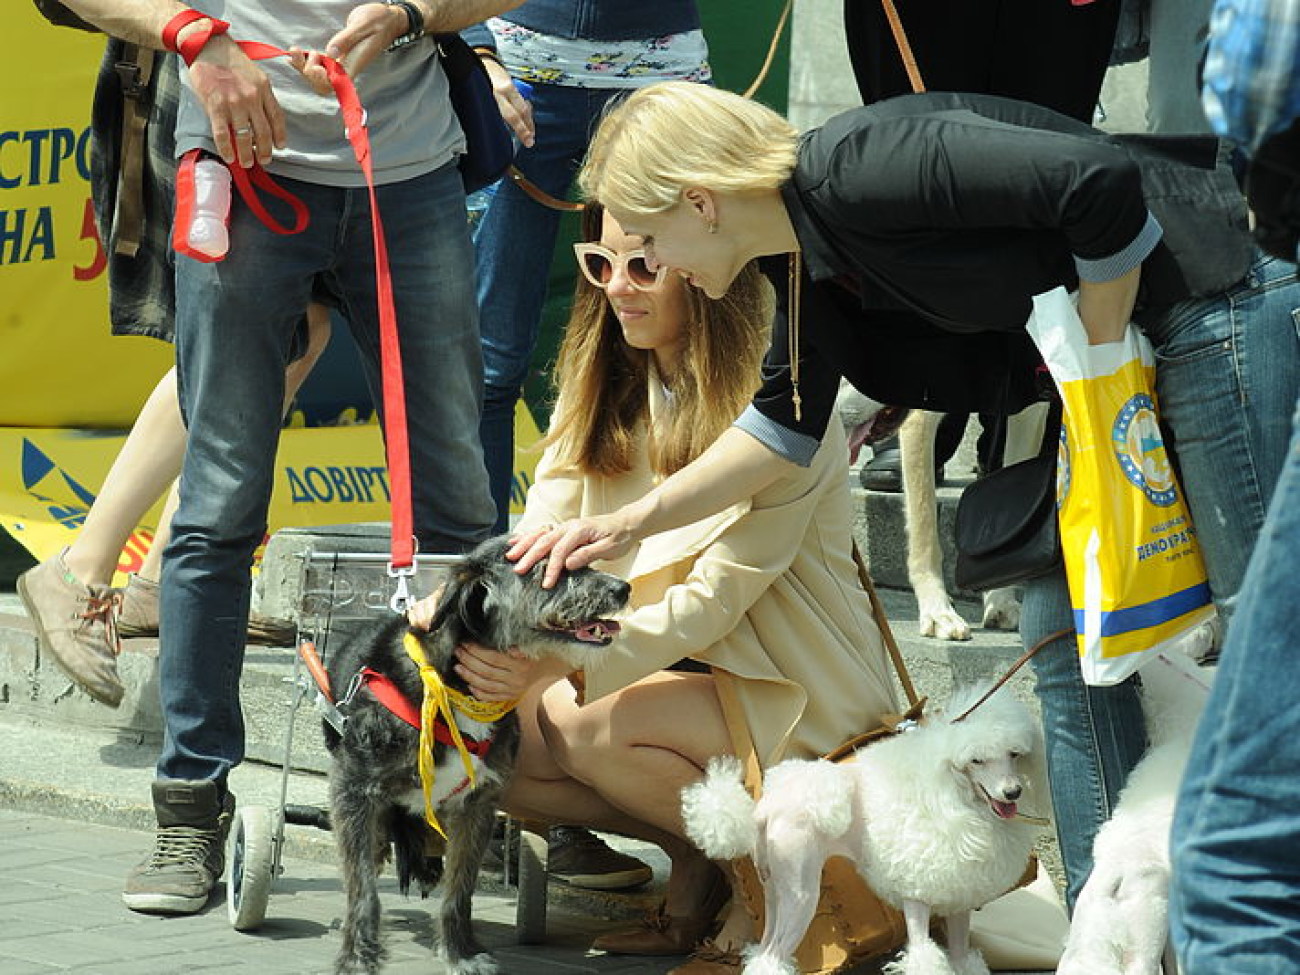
602 408
668 136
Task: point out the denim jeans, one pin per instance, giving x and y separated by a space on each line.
1227 378
514 243
1235 896
236 325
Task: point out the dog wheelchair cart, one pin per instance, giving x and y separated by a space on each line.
341 592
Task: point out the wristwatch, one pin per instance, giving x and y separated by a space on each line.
414 24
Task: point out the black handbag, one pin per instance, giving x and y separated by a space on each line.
489 148
1006 526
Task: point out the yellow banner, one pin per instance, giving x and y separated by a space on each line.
324 476
59 364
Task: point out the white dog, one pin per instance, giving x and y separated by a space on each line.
929 817
936 615
1120 922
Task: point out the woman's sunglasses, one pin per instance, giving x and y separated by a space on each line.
598 262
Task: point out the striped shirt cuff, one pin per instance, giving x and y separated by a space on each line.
1119 264
798 448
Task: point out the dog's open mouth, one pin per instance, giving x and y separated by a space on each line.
1003 810
589 631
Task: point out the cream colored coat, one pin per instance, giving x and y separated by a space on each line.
766 590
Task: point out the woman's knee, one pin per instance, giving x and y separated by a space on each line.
569 731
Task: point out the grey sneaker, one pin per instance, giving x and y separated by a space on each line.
76 626
139 617
582 859
189 849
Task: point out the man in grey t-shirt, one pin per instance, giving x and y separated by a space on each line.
237 324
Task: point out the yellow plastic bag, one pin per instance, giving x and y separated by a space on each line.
1137 579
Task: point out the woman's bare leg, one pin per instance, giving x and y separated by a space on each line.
318 335
149 460
630 754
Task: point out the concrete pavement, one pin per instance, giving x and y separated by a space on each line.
62 911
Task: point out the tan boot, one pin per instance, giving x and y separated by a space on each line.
139 617
709 959
662 934
76 626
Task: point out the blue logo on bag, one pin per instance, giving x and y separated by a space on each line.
1141 453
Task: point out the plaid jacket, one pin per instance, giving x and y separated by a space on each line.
142 296
1251 84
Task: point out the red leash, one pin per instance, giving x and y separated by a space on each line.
397 442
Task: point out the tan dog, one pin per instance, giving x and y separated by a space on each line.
936 615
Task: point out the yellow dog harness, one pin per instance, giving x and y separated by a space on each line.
443 701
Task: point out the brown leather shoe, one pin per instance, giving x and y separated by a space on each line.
657 934
662 934
709 959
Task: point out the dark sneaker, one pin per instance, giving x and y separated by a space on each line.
884 472
582 859
189 849
139 617
76 625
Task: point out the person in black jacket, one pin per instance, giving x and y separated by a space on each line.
906 240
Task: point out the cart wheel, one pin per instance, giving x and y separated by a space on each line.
250 852
530 907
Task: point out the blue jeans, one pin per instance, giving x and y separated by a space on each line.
236 325
514 244
1227 378
1235 896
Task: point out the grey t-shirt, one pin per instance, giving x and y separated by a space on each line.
413 129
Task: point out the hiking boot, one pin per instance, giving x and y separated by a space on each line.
139 617
76 626
189 849
582 859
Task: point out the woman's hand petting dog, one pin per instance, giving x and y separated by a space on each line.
491 676
504 676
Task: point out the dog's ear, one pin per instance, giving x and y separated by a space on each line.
461 608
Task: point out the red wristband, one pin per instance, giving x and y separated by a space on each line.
189 48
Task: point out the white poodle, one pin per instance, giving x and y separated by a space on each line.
929 816
1120 922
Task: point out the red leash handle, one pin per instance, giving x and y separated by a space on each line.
190 47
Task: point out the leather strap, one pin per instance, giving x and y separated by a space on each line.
904 46
539 194
134 72
1020 662
757 83
882 621
738 728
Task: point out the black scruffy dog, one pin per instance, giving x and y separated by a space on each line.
376 792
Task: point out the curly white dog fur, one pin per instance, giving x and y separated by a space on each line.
929 817
1121 918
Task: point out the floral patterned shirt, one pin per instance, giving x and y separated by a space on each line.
577 63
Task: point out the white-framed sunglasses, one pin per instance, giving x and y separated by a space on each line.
598 262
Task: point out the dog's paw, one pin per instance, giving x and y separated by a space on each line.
920 958
1001 609
760 962
973 964
480 964
943 624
